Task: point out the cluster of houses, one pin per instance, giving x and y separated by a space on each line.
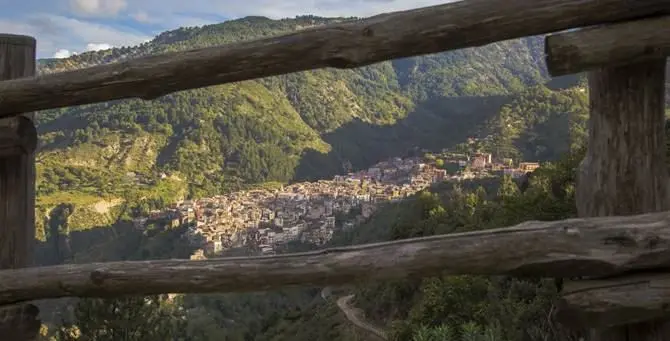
482 164
268 219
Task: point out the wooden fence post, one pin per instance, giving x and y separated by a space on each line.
17 187
624 171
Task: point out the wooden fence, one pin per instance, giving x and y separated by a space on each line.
621 242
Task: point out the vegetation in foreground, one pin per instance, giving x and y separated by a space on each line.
433 308
106 163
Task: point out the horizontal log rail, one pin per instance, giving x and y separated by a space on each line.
616 301
347 45
609 45
575 247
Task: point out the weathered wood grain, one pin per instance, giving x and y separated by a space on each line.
624 171
616 301
596 246
19 322
608 45
18 136
17 188
347 45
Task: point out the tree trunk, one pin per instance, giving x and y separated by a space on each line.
17 189
624 171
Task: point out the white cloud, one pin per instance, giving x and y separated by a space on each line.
55 32
87 31
102 8
62 53
142 17
97 47
97 21
277 9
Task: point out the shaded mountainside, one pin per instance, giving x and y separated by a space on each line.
102 164
432 308
470 307
294 127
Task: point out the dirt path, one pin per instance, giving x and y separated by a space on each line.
355 316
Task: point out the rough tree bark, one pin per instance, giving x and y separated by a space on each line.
17 186
612 45
616 301
624 171
601 246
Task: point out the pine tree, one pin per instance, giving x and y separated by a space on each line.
508 188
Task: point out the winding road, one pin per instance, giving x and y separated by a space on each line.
354 315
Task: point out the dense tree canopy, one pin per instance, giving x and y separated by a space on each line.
137 156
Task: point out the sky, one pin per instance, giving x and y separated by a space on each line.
64 27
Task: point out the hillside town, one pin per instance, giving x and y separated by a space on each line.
268 219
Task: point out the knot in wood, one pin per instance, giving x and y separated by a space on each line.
621 240
368 32
570 231
651 242
98 277
341 62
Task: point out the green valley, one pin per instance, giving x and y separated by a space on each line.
301 126
104 167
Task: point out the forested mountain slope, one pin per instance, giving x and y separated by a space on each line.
294 127
102 164
257 130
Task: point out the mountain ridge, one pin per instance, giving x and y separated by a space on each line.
294 127
103 164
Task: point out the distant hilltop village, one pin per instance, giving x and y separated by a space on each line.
483 162
268 219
